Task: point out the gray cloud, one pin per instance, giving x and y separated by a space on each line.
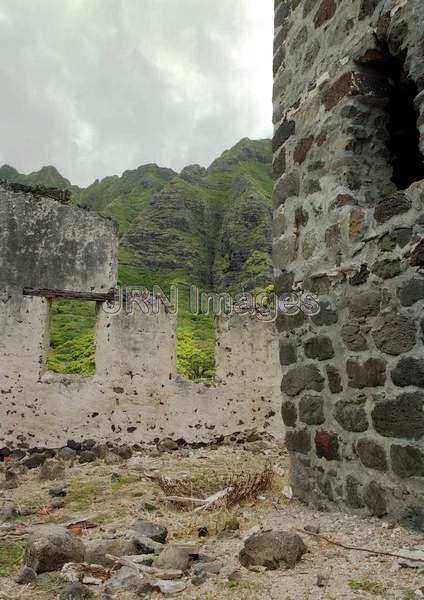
98 86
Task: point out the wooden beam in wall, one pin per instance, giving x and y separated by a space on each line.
109 296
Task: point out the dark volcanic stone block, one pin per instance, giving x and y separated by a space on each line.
319 347
409 371
375 499
351 416
298 379
371 454
286 322
334 379
311 410
288 353
365 303
395 335
407 461
367 8
402 417
326 316
411 291
386 268
353 492
353 337
354 84
392 205
302 148
371 373
325 12
327 445
298 441
285 130
289 413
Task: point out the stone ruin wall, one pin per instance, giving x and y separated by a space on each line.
135 395
353 398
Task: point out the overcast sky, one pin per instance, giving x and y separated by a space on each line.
99 86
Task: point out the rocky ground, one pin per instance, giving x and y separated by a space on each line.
83 513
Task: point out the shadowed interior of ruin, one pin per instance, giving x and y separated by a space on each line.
403 143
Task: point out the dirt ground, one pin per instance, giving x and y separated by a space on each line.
112 497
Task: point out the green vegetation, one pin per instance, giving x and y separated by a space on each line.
82 493
72 332
205 227
11 555
366 585
49 582
124 480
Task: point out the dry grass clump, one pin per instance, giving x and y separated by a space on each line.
195 492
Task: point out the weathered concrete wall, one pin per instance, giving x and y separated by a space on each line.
353 399
135 395
48 244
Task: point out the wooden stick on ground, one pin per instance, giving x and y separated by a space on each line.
359 549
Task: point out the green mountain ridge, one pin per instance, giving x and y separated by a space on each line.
209 227
47 176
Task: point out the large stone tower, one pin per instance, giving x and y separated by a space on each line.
348 225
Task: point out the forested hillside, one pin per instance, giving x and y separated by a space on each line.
208 227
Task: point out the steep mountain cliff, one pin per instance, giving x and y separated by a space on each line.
207 227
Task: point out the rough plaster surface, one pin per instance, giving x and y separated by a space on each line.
353 399
47 244
135 395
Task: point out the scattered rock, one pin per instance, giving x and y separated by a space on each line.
412 518
202 532
58 491
50 547
67 454
144 544
76 591
12 479
127 579
96 550
155 532
113 459
226 524
27 575
35 460
8 513
57 503
208 568
124 451
52 469
88 444
168 445
322 581
87 456
272 549
175 556
169 587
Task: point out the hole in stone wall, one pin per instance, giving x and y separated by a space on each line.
72 347
404 137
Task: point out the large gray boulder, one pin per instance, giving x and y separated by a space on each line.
272 549
50 547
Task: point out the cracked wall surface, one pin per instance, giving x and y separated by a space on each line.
353 399
135 395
